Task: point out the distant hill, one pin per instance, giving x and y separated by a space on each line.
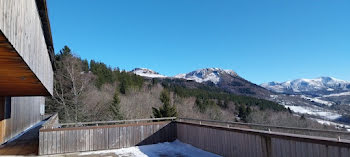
317 87
227 80
323 93
326 98
147 73
97 92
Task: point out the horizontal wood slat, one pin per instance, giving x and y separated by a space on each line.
221 140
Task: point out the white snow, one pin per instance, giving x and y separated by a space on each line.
175 148
314 111
306 85
208 74
328 103
273 96
147 73
180 76
337 94
338 125
330 89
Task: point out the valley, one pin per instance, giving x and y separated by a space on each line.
107 93
325 99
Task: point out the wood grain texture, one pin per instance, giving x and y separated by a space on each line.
101 138
236 142
24 56
25 112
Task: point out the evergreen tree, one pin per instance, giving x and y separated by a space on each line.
104 74
85 65
166 110
115 107
226 103
123 87
220 104
243 112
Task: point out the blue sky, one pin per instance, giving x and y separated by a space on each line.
261 40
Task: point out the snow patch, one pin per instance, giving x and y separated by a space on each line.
317 100
208 74
307 85
314 111
337 94
175 148
147 73
338 125
274 96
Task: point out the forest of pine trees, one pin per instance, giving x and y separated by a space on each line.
93 91
74 76
209 96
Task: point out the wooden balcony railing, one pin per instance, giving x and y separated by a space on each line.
337 134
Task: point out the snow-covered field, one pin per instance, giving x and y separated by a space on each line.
338 94
314 111
325 122
166 149
328 103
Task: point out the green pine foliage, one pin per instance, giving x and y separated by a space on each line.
106 74
203 104
128 80
167 110
243 112
85 65
115 107
205 96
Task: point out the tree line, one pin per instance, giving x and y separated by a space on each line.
74 76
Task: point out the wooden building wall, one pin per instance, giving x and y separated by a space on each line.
20 23
25 112
253 143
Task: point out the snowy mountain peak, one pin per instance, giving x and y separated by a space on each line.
147 73
208 74
308 85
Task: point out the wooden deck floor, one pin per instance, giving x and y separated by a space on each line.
27 144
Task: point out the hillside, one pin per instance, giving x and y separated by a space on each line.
92 91
326 97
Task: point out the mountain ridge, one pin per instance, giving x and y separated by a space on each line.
319 86
225 79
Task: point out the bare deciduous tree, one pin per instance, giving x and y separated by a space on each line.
70 83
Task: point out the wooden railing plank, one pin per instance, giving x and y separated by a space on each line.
94 138
253 143
216 139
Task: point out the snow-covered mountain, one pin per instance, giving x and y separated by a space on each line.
317 86
208 74
323 98
224 79
147 73
328 93
227 80
202 75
